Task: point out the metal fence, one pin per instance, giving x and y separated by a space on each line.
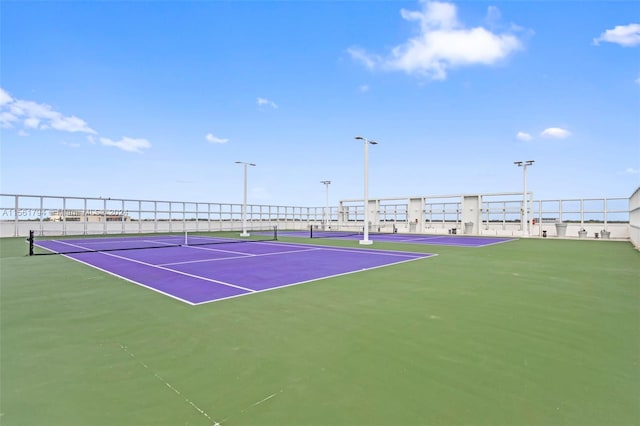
494 214
62 215
634 218
499 214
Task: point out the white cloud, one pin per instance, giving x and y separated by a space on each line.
555 133
443 43
624 35
71 144
213 139
71 124
368 60
523 136
127 144
7 119
364 88
638 80
263 101
37 116
32 122
632 171
30 109
493 15
5 98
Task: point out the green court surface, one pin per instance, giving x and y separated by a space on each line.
530 332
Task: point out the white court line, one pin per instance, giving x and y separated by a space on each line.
405 240
455 244
250 407
69 244
426 256
186 262
498 242
236 257
450 243
264 399
173 296
219 250
87 245
179 272
409 257
167 384
174 271
380 252
383 252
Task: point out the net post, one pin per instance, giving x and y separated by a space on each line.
30 240
311 231
275 233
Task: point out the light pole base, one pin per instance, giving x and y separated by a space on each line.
365 242
245 234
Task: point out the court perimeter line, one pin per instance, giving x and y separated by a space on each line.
88 243
427 240
178 272
383 252
411 256
113 274
499 242
250 407
408 240
236 257
419 239
243 254
425 256
167 384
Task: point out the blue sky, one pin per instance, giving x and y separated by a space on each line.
158 99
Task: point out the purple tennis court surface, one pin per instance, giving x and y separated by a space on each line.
442 240
202 274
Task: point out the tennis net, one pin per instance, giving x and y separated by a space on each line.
40 245
338 231
334 232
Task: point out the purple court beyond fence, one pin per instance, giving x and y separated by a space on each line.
203 274
441 240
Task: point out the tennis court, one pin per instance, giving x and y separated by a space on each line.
442 240
527 333
208 268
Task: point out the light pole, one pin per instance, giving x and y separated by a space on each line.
326 208
244 202
365 240
525 220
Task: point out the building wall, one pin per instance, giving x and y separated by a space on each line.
634 218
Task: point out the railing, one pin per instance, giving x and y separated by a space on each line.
62 215
500 214
634 218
